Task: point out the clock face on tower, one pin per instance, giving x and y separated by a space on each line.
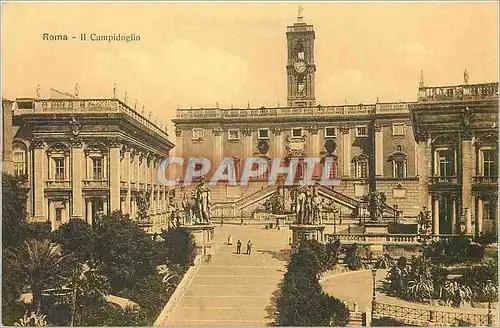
299 66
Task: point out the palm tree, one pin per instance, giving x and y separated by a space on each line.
43 265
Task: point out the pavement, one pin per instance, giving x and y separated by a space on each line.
236 289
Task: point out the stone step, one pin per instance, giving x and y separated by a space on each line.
214 270
237 290
235 280
229 323
219 314
225 301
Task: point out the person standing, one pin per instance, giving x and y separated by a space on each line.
249 247
238 247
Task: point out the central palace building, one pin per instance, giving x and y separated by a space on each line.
81 157
438 152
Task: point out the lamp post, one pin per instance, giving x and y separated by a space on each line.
335 211
374 298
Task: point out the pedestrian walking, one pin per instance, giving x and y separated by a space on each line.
249 247
238 247
221 222
349 229
230 240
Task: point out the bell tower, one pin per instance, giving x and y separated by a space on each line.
300 67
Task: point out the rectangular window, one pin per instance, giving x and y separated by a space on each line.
399 169
198 134
362 170
398 129
445 162
59 161
330 132
489 211
233 134
263 133
97 169
489 163
19 164
297 133
361 131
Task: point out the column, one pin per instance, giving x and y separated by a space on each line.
468 165
435 215
217 150
52 214
247 143
127 177
425 167
89 211
278 142
416 160
38 179
105 206
136 167
346 151
114 175
479 219
77 160
379 150
453 215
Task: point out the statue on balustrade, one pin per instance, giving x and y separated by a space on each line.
424 224
203 202
376 204
316 206
303 205
188 205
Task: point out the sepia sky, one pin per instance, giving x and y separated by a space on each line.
197 54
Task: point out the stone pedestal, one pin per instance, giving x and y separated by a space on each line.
306 232
280 220
203 238
376 233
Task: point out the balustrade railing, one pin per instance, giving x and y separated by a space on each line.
458 92
424 317
486 180
95 183
386 238
87 106
57 184
446 179
361 109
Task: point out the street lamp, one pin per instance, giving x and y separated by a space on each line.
374 298
335 211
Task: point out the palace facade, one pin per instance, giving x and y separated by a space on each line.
396 148
82 157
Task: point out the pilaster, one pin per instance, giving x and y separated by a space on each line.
379 150
114 175
77 159
346 151
40 169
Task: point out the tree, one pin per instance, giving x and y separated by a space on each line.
177 247
124 250
43 265
14 213
76 237
143 203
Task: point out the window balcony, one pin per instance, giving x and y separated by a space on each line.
486 180
58 184
95 184
123 185
443 180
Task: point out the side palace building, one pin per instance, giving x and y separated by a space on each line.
438 152
81 157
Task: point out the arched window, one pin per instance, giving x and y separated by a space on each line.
399 165
19 156
96 157
361 166
58 155
329 162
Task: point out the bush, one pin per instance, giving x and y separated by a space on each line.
177 247
125 251
354 257
301 301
